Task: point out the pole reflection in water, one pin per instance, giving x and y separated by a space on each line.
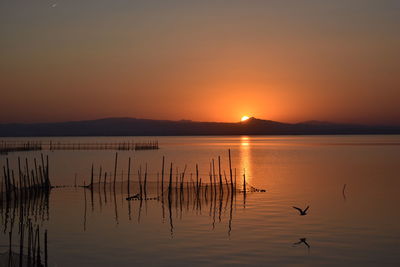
182 198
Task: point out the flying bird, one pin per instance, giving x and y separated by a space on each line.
302 212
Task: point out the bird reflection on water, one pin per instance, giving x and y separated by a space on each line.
302 241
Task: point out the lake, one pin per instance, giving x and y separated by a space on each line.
351 184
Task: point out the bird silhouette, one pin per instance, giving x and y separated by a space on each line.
302 212
302 240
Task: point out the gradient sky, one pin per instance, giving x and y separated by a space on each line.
201 60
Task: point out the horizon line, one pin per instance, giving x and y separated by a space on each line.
312 121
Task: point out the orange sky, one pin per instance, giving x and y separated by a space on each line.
200 60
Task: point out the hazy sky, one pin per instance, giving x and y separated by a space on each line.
200 60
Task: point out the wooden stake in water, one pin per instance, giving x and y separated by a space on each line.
115 168
140 182
244 181
145 182
219 173
197 178
162 177
213 174
129 175
230 169
170 182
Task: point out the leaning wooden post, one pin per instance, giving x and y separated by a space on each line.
197 177
8 176
213 174
140 182
244 181
170 181
129 174
14 187
43 166
47 172
162 177
1 194
19 173
36 170
5 182
145 183
235 180
230 170
115 168
219 173
27 173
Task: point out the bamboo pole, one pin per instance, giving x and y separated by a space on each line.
162 177
197 178
230 169
170 182
145 182
140 182
129 175
115 168
47 172
219 173
244 181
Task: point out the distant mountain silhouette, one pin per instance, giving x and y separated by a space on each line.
146 127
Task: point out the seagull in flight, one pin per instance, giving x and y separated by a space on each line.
302 212
302 240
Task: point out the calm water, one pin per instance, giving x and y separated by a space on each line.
359 226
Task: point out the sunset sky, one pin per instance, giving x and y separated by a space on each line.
203 60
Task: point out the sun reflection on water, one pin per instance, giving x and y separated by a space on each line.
245 160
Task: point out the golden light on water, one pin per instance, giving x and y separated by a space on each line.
244 118
244 141
245 160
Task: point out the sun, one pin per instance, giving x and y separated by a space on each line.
244 118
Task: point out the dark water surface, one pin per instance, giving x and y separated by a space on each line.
355 226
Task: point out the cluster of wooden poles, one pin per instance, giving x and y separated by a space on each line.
29 183
215 182
105 146
7 146
24 194
14 146
173 189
